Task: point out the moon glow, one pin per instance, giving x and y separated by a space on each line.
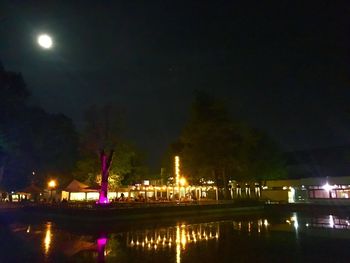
45 41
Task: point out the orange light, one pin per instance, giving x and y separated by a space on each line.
183 181
177 169
52 184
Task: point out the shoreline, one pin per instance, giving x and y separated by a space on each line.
310 208
123 213
158 211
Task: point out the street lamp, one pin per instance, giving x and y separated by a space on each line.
177 169
177 173
51 184
182 181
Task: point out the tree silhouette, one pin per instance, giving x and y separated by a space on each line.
214 147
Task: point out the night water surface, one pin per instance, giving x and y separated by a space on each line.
289 238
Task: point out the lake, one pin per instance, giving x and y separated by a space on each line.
288 237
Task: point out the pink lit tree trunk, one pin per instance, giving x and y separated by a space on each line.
105 165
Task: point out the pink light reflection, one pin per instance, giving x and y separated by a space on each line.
102 241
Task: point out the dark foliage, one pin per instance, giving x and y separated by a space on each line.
32 140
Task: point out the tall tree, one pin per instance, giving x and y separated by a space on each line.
213 147
103 131
210 141
30 138
261 158
54 144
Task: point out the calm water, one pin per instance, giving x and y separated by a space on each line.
283 238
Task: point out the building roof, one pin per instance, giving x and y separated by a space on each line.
344 180
76 186
32 189
282 183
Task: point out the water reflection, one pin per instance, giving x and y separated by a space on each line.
180 240
178 248
101 249
294 219
179 236
251 226
47 238
329 221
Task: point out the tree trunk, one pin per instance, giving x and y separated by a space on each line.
215 175
105 165
225 183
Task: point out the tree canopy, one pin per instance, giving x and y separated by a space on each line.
32 140
214 147
103 130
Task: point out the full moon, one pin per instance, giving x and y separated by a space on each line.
45 41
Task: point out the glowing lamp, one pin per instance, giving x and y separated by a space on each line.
182 181
177 169
52 184
327 187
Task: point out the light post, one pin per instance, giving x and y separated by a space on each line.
51 184
177 174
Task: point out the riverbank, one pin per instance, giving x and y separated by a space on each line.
309 208
158 210
131 211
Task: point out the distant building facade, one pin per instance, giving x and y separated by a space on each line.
326 190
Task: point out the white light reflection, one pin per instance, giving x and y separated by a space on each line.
331 221
294 219
260 223
266 223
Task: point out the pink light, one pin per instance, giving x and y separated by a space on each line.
101 246
103 200
102 241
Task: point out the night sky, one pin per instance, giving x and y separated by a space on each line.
281 67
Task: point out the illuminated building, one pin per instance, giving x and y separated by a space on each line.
77 191
311 190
